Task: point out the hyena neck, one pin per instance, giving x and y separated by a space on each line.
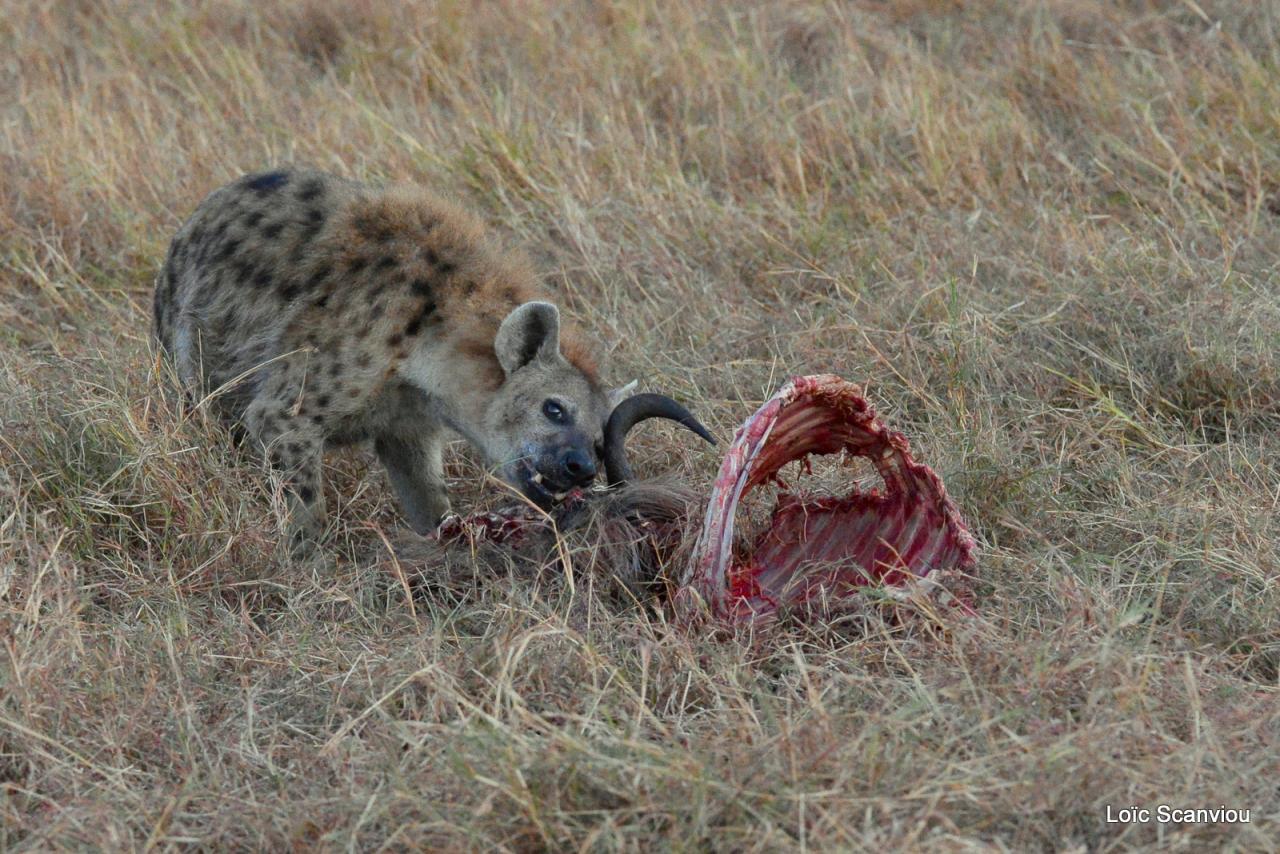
458 387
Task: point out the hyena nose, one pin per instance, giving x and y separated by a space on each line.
578 467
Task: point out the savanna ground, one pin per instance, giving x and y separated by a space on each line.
1046 234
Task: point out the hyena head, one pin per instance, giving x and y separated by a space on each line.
544 425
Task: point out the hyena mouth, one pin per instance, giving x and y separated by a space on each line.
538 489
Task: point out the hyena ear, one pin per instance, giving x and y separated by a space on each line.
531 331
621 393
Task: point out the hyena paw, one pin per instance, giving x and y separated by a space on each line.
303 537
424 515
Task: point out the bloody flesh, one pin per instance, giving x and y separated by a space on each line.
822 546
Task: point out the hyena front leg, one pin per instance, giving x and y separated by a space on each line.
416 470
294 447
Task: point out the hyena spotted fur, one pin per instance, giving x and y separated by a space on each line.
323 312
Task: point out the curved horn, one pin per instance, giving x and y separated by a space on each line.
628 414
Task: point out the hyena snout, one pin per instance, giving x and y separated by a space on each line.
555 469
564 465
576 467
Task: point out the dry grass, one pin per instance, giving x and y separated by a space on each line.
1046 233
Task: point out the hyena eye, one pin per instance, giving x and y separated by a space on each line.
553 411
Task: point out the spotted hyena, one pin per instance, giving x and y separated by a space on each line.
315 311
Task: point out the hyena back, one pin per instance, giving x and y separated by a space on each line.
317 311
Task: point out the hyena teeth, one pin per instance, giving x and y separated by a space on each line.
537 478
559 496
